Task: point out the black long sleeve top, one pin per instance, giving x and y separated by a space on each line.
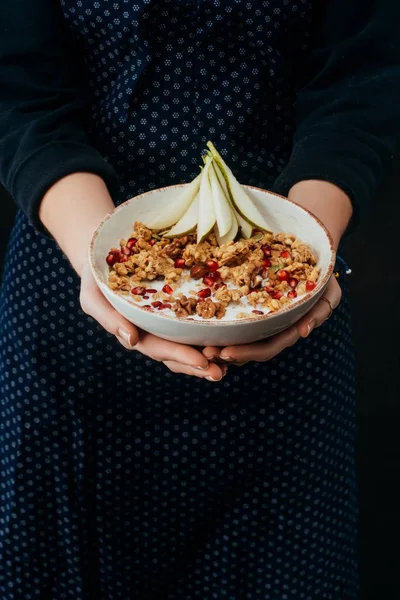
60 114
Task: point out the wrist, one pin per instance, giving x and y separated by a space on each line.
330 204
71 210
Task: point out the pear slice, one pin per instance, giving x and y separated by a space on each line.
206 217
242 202
245 227
187 223
221 179
232 233
223 212
170 214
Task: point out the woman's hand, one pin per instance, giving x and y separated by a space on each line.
177 357
333 207
77 203
267 349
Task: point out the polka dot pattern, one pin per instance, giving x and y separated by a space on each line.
166 76
122 480
118 479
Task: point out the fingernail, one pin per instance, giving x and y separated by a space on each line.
224 369
202 368
311 326
125 335
227 358
211 379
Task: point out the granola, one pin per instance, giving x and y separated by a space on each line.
260 275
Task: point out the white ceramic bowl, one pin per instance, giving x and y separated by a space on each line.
281 214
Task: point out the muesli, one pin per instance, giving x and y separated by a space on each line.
211 254
248 277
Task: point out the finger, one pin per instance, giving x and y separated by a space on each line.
321 311
213 373
94 304
261 351
124 343
163 350
212 352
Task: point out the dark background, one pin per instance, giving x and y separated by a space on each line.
373 253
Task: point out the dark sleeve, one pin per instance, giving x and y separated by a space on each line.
42 105
348 112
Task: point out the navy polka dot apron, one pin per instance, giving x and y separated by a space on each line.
120 480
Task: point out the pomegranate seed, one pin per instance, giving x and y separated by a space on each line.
310 285
151 291
146 297
292 294
131 243
219 285
138 291
125 250
212 265
146 306
257 312
156 304
269 289
167 306
293 282
167 289
277 295
122 259
266 250
215 275
179 263
266 263
282 275
204 293
152 242
285 254
207 280
111 259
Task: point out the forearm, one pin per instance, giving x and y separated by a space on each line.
327 202
71 210
347 105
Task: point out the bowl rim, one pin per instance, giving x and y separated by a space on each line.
221 323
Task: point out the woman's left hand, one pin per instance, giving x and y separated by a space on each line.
333 207
267 349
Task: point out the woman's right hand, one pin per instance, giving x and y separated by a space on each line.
78 203
177 357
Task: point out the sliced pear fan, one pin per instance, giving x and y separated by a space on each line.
245 227
171 214
242 202
187 223
206 216
223 212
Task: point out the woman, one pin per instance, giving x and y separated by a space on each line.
135 468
